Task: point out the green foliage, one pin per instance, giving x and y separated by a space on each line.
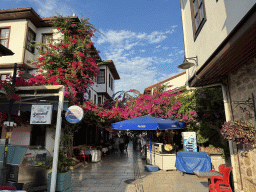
63 162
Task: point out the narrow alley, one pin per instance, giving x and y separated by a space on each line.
116 173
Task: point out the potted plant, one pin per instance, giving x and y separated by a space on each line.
63 180
239 131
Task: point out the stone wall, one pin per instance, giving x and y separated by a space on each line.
242 83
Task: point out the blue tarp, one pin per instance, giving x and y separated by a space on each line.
193 161
148 123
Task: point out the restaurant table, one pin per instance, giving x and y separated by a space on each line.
206 174
188 162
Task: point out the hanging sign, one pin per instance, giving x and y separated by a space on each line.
41 114
189 141
74 114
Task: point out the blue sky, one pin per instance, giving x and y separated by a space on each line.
144 38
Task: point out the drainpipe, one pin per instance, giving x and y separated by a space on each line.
230 142
227 108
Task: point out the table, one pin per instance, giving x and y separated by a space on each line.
206 174
189 162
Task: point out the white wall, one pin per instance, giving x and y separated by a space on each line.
20 135
109 91
16 41
176 82
221 18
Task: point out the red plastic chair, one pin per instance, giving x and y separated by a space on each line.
221 183
82 156
225 177
7 188
221 168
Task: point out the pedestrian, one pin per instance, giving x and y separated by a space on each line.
143 142
117 142
126 142
121 144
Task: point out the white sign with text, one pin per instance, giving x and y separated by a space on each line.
41 114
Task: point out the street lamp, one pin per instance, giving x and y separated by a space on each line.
26 74
186 64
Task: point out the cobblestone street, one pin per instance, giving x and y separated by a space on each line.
115 172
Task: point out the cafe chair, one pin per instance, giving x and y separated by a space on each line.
225 177
221 183
7 188
221 168
82 156
220 186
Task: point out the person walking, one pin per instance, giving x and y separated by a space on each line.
143 142
121 144
117 142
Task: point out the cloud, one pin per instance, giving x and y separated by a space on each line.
136 72
127 39
48 8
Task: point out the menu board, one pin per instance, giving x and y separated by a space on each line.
189 141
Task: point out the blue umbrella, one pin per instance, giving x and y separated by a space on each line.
148 123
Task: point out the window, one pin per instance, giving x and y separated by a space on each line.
109 77
95 99
30 37
99 100
112 82
4 38
46 39
4 76
90 94
101 77
37 136
198 16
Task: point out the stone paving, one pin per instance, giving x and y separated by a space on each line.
115 173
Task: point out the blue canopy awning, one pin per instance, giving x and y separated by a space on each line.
148 123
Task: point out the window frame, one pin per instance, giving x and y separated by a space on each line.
109 83
95 99
90 93
6 27
28 43
42 38
99 100
99 77
196 30
112 84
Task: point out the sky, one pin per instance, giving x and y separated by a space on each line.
144 38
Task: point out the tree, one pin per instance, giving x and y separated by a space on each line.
69 60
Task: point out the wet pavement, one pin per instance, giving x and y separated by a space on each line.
124 172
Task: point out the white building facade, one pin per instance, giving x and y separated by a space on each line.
17 28
222 35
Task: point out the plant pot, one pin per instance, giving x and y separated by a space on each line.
63 181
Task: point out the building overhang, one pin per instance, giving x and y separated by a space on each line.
111 67
234 51
28 13
5 51
19 65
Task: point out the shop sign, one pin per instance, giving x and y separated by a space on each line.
41 114
74 114
189 140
